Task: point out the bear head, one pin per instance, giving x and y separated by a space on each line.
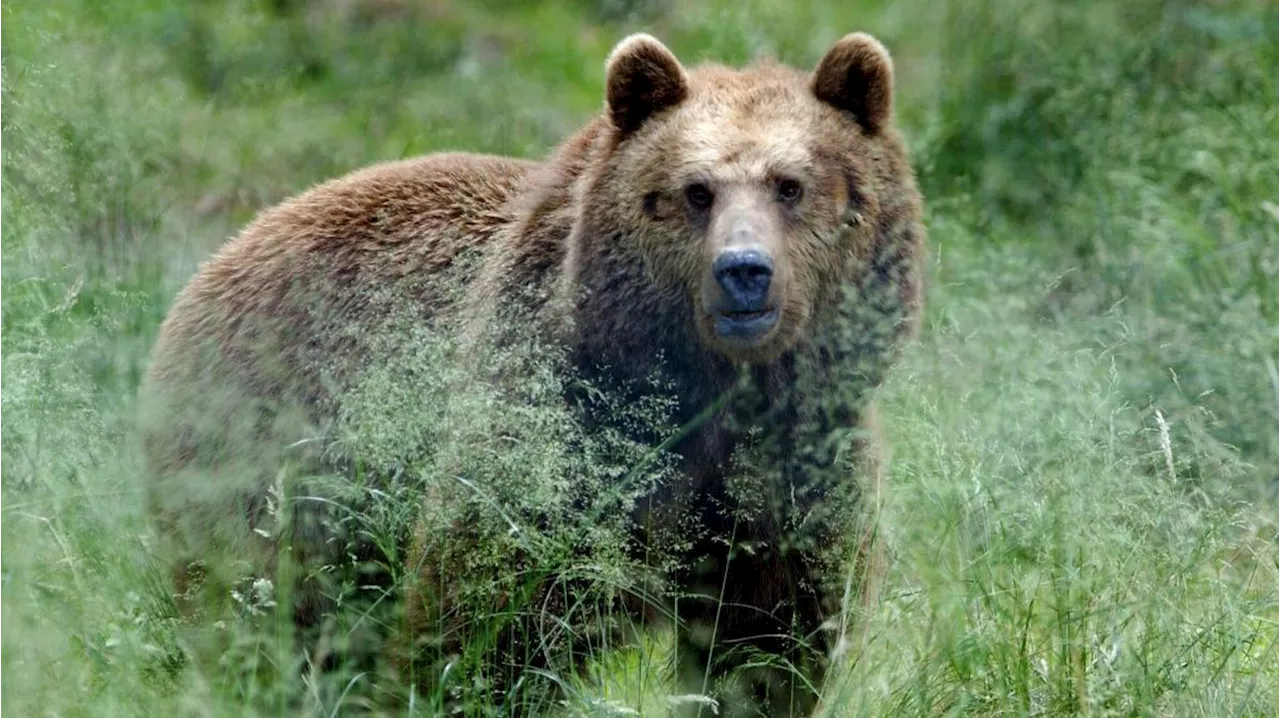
750 191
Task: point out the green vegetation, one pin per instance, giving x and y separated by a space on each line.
1082 492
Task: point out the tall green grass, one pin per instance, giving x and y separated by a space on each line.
1081 505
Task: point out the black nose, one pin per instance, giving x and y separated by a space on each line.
744 274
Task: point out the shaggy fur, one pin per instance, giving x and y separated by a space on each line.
604 249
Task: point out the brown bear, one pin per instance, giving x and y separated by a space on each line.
753 235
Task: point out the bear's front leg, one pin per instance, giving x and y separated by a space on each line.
771 600
750 630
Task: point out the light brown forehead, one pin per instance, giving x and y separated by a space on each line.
746 126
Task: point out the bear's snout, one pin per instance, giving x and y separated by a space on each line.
744 276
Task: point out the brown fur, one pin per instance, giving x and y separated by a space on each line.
600 249
258 342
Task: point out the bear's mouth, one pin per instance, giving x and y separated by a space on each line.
746 324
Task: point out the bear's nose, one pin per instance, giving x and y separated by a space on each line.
744 275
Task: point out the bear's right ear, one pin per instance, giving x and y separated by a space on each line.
642 78
856 75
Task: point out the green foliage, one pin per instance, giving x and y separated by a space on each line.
523 513
1130 143
1082 484
1049 561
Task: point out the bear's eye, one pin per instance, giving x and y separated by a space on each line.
790 191
699 195
650 203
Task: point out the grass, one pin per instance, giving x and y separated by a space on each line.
1083 480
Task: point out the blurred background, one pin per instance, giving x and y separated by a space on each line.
1101 180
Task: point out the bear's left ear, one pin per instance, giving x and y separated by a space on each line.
856 75
642 77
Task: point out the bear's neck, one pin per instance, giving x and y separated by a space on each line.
635 332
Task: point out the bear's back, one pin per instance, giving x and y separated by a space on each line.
292 295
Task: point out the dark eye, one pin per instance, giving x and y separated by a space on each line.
699 195
790 191
650 204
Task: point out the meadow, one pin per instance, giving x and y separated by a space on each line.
1081 508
